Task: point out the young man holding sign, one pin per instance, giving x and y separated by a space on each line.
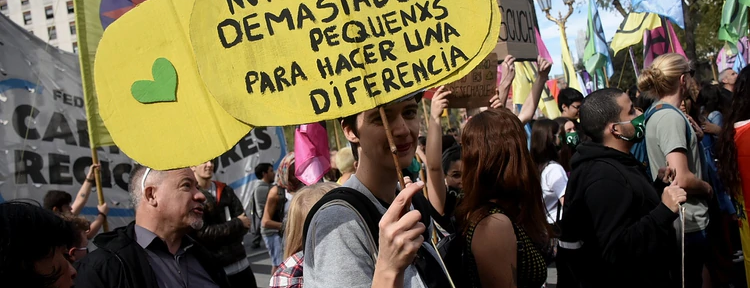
340 248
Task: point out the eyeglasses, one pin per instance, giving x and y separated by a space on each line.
83 249
576 107
691 72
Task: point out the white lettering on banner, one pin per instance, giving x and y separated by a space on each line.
46 147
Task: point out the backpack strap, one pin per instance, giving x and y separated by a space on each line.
654 108
219 189
359 201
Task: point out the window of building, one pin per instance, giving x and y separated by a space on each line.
72 28
52 32
75 47
24 2
3 5
71 8
49 12
27 17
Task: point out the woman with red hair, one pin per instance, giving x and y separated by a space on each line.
501 217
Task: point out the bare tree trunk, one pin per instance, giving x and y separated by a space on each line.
689 32
619 8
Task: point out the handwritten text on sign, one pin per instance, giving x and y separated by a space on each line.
476 88
325 59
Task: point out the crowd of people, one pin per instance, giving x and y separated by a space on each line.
636 189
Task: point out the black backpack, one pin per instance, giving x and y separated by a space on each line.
426 265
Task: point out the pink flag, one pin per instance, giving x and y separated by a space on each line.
726 58
541 48
660 41
311 153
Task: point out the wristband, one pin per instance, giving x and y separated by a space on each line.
103 215
91 180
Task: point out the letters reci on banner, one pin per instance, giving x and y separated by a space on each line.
476 88
517 36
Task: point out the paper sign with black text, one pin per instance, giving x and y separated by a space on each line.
476 89
517 36
327 59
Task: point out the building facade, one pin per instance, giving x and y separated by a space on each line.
51 20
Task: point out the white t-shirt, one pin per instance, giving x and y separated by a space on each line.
554 181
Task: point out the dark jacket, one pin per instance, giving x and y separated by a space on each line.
223 238
120 262
627 233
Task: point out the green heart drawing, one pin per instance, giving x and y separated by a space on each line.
162 89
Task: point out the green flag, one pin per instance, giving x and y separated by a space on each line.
733 22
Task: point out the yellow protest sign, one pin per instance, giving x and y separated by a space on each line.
280 62
151 98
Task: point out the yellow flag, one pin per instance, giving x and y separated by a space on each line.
526 73
525 76
89 31
568 68
632 28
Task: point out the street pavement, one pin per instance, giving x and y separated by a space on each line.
260 262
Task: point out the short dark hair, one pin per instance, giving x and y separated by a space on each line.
261 169
422 140
78 224
632 91
645 101
448 142
57 199
600 109
450 155
28 234
567 96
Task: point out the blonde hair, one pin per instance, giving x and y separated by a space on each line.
663 76
298 209
345 160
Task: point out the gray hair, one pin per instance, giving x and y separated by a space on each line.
134 186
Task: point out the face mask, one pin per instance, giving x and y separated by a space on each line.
640 129
414 167
572 139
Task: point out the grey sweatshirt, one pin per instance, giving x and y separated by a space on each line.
339 251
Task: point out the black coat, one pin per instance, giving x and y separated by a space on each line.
223 238
119 262
628 235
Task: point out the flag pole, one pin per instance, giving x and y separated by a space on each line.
336 133
606 79
425 114
85 81
632 60
713 66
392 145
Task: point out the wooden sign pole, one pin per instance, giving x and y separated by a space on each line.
392 145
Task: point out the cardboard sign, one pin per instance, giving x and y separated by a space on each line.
476 88
517 36
151 98
281 63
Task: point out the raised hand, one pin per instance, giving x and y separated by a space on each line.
439 103
543 66
508 69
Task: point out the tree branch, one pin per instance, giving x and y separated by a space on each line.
619 8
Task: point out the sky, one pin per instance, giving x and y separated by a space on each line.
577 21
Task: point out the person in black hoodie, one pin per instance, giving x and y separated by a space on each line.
155 251
616 231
